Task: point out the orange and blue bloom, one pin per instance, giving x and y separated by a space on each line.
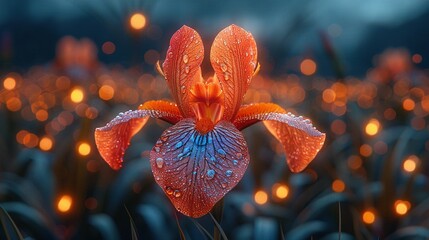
204 155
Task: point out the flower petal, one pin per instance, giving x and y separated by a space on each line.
182 66
196 171
233 56
113 139
300 139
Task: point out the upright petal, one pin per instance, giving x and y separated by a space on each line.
233 56
196 171
113 139
182 66
300 139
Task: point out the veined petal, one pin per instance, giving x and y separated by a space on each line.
113 139
300 139
196 171
233 57
182 66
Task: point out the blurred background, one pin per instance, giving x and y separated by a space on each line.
358 69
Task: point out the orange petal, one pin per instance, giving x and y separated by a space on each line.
300 139
182 66
196 170
233 56
113 139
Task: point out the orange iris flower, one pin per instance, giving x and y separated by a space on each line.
204 155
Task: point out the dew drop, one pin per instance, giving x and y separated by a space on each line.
168 190
158 143
185 58
178 145
235 162
183 89
221 151
223 67
157 149
247 54
224 185
238 41
210 174
226 76
239 155
224 42
228 173
177 193
170 54
159 162
187 69
164 138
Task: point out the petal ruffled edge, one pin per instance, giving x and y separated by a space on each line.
181 67
233 56
300 139
113 139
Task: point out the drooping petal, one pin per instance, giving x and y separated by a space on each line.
300 139
233 56
113 139
196 171
182 66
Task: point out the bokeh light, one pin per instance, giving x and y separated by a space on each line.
280 191
65 203
137 21
402 207
46 143
84 148
410 163
261 197
77 95
372 127
106 92
308 67
108 48
9 83
368 216
338 185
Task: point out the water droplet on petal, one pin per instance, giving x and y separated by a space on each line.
185 58
168 190
247 54
164 138
221 151
177 193
224 42
235 162
170 54
178 145
157 149
223 67
158 143
187 69
224 184
226 76
210 174
159 162
239 155
183 89
228 173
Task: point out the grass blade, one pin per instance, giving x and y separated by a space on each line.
11 231
134 235
202 229
218 227
182 235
